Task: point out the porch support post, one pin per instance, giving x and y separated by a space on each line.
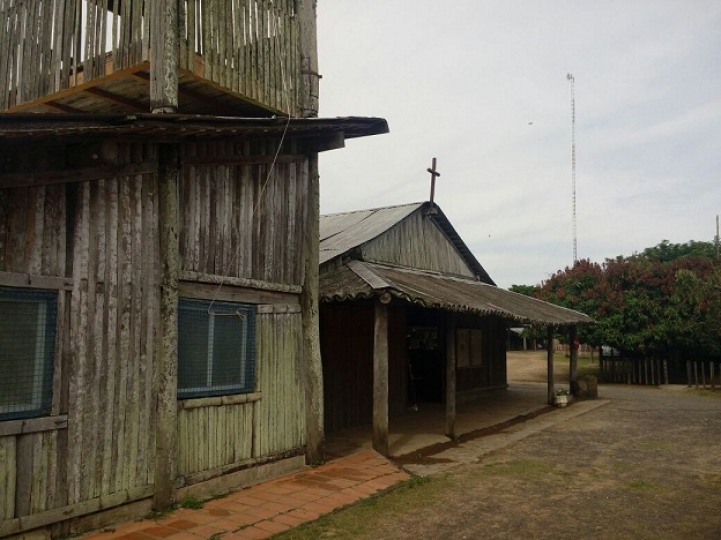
573 355
451 376
380 379
164 54
312 364
165 381
549 349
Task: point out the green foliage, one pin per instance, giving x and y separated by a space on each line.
663 302
192 503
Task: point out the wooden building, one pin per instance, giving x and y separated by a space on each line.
158 272
408 314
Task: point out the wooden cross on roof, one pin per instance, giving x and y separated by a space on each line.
434 174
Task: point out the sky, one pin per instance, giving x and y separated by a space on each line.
482 86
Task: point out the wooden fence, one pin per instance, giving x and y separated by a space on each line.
647 371
703 374
247 46
699 374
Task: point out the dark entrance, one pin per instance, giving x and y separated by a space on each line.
425 356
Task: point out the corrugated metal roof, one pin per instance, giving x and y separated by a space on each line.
358 279
339 233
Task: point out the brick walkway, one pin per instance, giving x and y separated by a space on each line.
271 507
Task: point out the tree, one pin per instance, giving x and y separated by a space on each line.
665 301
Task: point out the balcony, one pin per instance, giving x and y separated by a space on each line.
235 57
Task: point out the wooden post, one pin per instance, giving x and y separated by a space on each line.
451 376
573 353
165 382
549 350
312 365
380 379
164 52
712 375
653 371
306 13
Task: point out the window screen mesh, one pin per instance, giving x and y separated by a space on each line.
27 345
216 353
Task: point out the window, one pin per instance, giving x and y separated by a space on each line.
216 348
27 350
469 347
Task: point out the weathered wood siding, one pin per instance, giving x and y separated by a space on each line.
492 374
49 46
273 423
346 332
243 220
417 242
101 238
250 47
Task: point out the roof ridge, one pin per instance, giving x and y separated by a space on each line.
366 210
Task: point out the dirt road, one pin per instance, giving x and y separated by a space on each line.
647 465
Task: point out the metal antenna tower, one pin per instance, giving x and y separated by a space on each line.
569 77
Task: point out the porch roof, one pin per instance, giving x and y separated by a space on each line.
356 279
177 127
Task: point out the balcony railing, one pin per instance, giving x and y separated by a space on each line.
247 47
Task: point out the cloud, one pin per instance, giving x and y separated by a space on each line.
482 87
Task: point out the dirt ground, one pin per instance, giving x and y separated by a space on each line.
646 465
531 367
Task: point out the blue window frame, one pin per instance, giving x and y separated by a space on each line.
28 320
216 348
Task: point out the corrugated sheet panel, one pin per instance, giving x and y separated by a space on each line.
444 292
342 232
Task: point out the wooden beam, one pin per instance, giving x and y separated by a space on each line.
165 382
164 57
549 349
30 281
312 365
451 376
380 379
242 160
46 178
62 108
74 89
114 98
306 13
183 91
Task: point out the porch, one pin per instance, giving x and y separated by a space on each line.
419 431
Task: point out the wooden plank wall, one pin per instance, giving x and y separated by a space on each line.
48 46
102 237
249 46
493 371
243 220
346 335
417 242
214 437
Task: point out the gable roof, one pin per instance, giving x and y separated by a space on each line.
357 279
343 232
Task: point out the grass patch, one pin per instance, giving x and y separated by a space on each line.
656 445
705 392
522 469
417 493
646 487
191 503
